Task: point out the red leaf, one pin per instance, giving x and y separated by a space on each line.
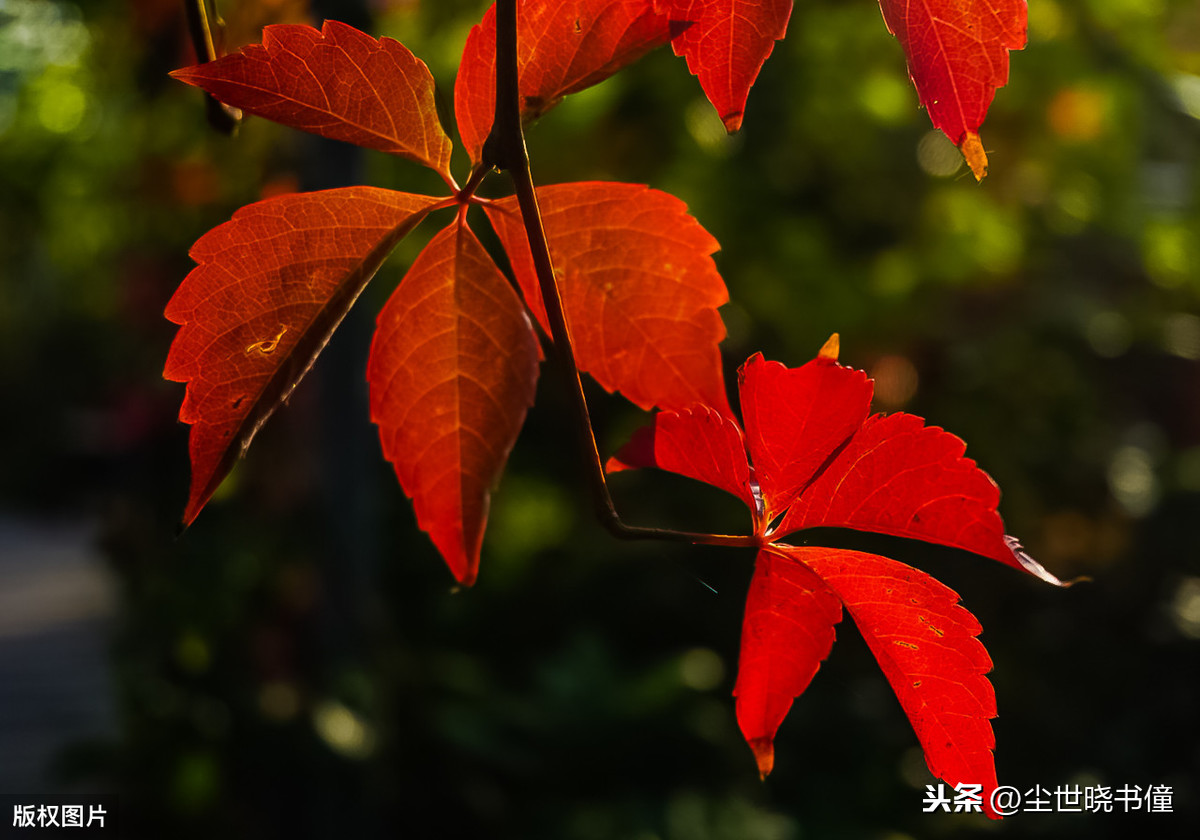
453 370
786 634
726 43
338 83
796 419
700 444
563 47
815 458
270 287
898 476
927 647
638 285
818 462
957 56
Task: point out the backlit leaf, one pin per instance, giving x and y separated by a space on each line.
269 288
898 476
699 443
927 646
787 632
796 419
338 83
726 43
453 369
638 285
957 56
814 458
563 46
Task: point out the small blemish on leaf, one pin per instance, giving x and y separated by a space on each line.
267 345
909 645
916 683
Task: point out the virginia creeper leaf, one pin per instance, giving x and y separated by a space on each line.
898 476
563 46
957 56
726 43
453 369
699 443
269 288
639 288
787 632
813 457
924 641
338 83
796 419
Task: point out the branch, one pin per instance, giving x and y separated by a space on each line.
505 149
224 118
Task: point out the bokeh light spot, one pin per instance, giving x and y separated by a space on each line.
1181 335
887 97
937 156
345 732
1078 115
1185 607
61 107
1168 252
701 669
1132 481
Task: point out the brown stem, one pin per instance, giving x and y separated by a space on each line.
505 149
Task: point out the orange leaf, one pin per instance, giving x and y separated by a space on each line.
638 285
270 287
563 46
726 43
452 372
339 83
957 56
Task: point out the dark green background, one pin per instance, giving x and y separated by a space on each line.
298 664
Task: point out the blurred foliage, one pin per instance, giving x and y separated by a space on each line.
296 665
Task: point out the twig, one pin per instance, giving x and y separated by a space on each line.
505 149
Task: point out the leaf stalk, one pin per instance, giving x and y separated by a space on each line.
505 149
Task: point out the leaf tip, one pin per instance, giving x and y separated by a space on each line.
764 755
831 348
733 121
1034 567
972 149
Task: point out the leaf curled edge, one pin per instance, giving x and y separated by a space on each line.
269 288
452 372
